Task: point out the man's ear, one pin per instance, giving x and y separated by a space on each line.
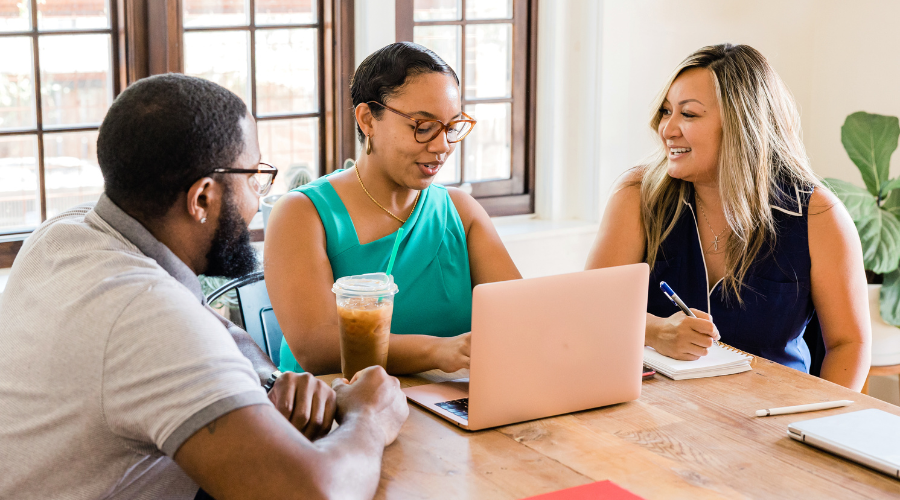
203 198
364 118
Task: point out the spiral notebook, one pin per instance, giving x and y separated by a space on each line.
721 360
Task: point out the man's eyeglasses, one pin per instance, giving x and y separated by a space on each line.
428 130
262 177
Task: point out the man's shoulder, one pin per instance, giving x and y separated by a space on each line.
75 264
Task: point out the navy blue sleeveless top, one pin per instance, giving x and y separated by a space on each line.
776 291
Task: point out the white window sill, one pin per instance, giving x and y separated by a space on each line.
527 227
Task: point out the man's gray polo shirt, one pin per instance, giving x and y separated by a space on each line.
109 362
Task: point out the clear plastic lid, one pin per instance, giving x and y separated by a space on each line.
365 285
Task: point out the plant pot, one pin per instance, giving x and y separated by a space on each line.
885 337
266 204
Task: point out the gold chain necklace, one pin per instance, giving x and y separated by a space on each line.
716 236
402 221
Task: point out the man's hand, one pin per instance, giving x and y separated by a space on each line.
373 394
307 402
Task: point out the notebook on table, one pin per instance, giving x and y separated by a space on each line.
721 360
868 437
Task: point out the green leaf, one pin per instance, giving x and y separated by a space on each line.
859 202
880 237
890 298
890 186
892 203
879 230
870 140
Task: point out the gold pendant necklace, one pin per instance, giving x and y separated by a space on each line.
402 221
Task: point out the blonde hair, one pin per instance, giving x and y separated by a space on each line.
761 158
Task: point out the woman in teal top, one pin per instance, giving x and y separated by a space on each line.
409 118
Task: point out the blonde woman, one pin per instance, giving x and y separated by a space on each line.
731 215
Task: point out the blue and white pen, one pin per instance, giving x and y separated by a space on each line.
667 290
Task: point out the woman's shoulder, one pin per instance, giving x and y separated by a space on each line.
466 205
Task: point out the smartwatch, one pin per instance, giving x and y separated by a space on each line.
271 381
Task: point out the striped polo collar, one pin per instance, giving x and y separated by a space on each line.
139 236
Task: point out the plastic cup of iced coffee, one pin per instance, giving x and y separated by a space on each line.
365 304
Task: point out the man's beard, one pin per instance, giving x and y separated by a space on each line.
230 255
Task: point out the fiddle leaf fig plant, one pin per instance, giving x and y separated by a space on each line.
870 140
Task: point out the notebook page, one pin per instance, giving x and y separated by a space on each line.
718 357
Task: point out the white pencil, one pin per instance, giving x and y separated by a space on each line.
802 408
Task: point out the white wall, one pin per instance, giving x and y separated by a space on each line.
375 26
836 56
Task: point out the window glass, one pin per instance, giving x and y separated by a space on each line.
286 66
71 172
488 147
488 60
17 108
72 14
76 83
285 12
220 56
489 9
15 15
442 40
200 13
20 208
289 145
436 10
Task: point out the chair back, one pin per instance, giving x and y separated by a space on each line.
259 318
816 344
256 312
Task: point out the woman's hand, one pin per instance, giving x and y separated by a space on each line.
682 337
452 353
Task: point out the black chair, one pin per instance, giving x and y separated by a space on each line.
816 344
256 312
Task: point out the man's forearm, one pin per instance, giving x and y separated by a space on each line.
354 452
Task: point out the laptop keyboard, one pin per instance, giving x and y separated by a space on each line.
458 407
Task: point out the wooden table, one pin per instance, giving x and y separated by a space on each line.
687 439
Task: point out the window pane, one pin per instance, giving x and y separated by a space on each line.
443 40
489 9
488 60
16 84
488 146
285 12
449 173
15 15
286 64
71 172
20 208
436 10
76 86
289 145
220 56
72 14
198 13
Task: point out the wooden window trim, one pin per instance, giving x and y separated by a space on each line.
11 243
512 196
147 40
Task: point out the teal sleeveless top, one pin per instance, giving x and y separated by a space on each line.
431 270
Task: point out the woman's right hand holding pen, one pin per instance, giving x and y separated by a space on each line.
680 336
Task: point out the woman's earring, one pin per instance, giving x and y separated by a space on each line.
203 220
368 144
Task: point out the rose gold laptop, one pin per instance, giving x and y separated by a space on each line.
548 346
